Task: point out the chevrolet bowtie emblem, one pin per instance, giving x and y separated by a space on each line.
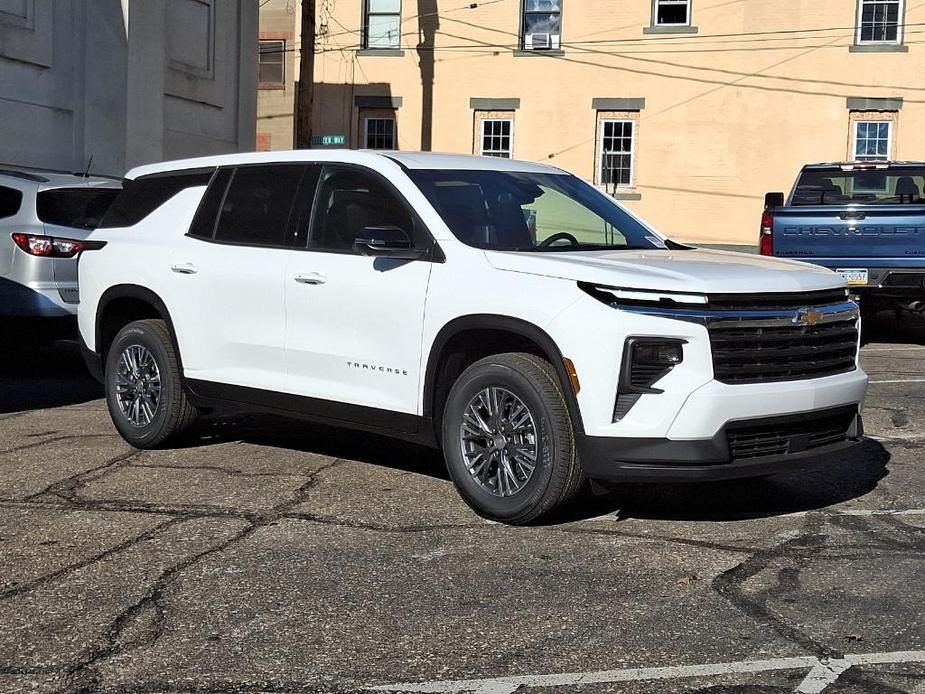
807 316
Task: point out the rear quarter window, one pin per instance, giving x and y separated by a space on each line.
79 208
141 196
10 201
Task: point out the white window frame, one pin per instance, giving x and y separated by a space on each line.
854 139
900 23
367 13
282 59
494 152
366 120
602 124
657 3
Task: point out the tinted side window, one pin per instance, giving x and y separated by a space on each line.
80 208
203 225
348 201
141 196
10 200
258 204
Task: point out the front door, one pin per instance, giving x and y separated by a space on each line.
354 322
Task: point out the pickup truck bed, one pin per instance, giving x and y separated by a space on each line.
865 221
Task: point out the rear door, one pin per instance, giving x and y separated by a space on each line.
227 278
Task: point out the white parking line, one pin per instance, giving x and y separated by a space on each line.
867 350
822 673
898 380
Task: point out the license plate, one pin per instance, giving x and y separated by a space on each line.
854 277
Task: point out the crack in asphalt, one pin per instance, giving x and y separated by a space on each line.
67 488
142 623
703 544
232 472
76 566
55 439
799 550
810 544
84 676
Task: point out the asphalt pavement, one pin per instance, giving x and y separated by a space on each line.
273 556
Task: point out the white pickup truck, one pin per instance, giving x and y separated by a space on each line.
504 311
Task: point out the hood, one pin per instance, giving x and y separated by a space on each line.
696 270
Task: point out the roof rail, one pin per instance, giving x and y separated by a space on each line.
25 175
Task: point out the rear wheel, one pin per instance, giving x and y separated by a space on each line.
144 393
508 439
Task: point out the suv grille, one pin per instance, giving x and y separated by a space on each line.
779 436
776 301
743 353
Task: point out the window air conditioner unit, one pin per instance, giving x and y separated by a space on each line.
541 42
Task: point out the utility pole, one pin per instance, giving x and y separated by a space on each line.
306 88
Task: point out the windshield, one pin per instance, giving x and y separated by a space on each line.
864 187
513 211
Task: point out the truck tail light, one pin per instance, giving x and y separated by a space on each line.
766 239
54 247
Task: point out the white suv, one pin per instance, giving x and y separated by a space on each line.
504 311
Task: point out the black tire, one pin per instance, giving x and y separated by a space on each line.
174 415
556 477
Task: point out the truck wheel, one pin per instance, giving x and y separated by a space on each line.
144 393
508 439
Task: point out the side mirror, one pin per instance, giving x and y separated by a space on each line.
387 242
773 200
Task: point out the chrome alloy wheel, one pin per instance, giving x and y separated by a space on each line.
499 441
138 385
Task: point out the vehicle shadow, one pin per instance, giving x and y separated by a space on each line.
298 435
38 372
841 478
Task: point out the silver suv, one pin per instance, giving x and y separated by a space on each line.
44 219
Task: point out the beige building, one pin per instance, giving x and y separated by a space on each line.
687 110
277 71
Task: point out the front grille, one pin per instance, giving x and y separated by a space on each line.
785 435
759 353
775 301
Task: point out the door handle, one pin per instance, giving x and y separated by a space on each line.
184 269
853 215
310 278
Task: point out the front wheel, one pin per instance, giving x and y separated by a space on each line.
508 439
144 393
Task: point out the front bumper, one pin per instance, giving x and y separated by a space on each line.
627 459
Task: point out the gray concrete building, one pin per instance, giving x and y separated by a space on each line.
125 81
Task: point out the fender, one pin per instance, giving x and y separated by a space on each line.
518 326
133 291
